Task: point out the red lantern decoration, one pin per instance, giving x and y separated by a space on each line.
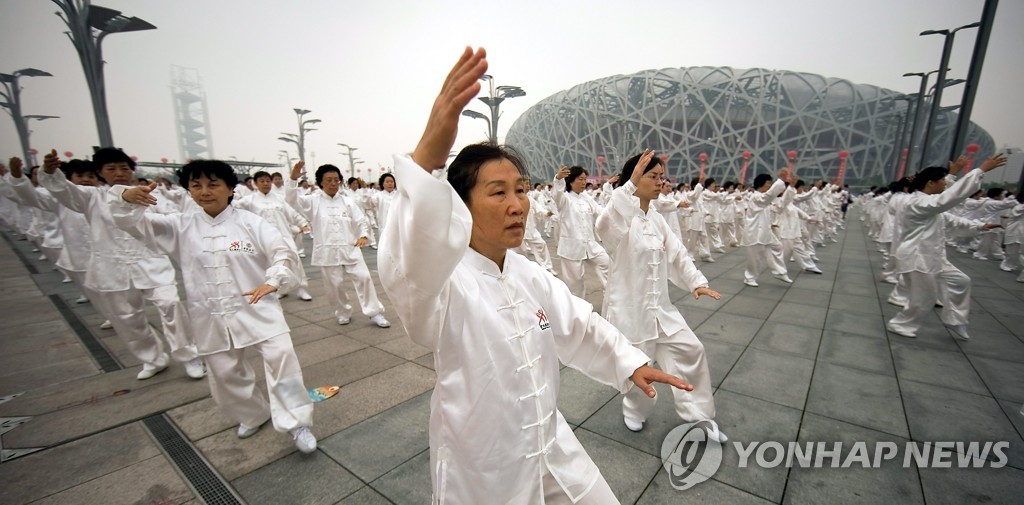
971 149
903 163
791 154
703 158
600 159
842 166
792 172
68 154
163 160
664 157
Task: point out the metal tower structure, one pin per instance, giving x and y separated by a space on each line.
190 114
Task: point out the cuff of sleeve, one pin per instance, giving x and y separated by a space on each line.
274 283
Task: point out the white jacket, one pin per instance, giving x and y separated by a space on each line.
577 213
74 254
337 223
645 255
118 261
220 259
758 224
498 337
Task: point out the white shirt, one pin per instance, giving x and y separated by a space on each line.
645 255
337 223
577 213
497 337
118 261
221 258
758 225
923 227
74 255
282 216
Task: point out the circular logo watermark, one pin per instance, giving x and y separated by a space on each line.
689 456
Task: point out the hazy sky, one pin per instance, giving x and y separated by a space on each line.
370 69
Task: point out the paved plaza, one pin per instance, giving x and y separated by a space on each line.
807 362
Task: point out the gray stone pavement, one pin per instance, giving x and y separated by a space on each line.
807 362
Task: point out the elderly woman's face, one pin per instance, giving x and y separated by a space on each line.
499 205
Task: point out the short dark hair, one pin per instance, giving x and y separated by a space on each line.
276 174
574 173
324 170
630 165
105 155
385 175
761 179
994 192
927 175
463 170
71 167
211 169
259 174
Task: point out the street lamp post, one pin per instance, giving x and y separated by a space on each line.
351 159
920 105
11 94
901 132
299 113
87 26
988 15
493 100
947 48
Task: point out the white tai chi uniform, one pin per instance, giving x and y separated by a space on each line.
762 245
921 257
283 218
1013 239
576 240
496 435
125 273
337 223
646 254
222 257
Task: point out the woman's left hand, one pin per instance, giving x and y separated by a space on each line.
707 292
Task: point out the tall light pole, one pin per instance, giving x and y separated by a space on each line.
988 15
947 48
917 113
299 113
283 153
495 96
87 26
351 159
901 133
11 94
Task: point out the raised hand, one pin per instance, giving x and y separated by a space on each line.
641 164
51 162
993 163
562 173
645 375
16 165
297 170
461 85
140 195
955 167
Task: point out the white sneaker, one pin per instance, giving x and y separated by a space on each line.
302 255
899 302
66 280
959 331
305 442
1005 268
343 320
716 434
195 369
304 295
151 369
890 280
813 270
784 278
105 325
899 332
708 259
42 257
380 321
248 431
633 425
752 284
82 299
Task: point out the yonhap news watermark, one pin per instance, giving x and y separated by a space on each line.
690 456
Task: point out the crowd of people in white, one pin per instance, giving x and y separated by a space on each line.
498 325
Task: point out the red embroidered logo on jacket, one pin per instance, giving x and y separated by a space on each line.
542 319
238 246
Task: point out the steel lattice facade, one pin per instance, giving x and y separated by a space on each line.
722 112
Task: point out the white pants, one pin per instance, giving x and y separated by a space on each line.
572 272
1012 259
899 291
233 386
728 232
990 244
758 255
361 281
126 310
714 235
680 354
697 243
539 248
600 493
795 247
922 292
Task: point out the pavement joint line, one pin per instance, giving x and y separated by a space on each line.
17 252
195 470
99 352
